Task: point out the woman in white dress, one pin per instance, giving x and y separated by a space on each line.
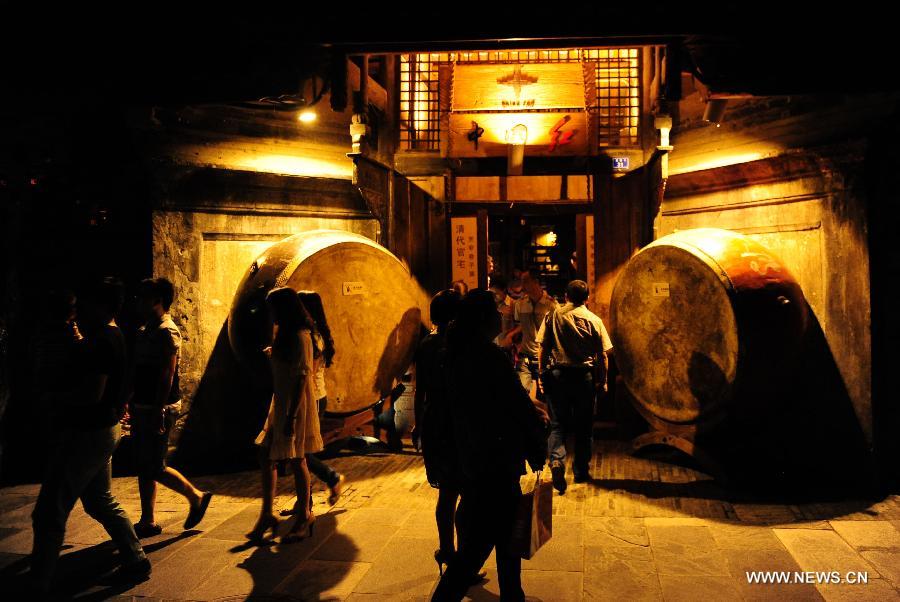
291 430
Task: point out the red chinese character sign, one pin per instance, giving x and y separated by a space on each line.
464 250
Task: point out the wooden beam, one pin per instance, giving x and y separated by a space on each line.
375 94
537 209
234 191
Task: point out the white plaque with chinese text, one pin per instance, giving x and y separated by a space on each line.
464 250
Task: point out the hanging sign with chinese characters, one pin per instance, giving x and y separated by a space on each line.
490 101
464 250
589 260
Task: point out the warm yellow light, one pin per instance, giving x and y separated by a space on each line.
517 135
307 116
546 239
295 166
722 160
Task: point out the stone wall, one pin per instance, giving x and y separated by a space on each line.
205 255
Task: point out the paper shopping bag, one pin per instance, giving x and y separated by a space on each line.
534 519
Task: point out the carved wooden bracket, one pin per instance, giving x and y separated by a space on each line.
373 182
375 201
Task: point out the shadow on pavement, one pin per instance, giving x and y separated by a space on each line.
279 569
82 574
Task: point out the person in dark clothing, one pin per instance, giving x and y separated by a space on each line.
496 428
85 434
155 406
432 409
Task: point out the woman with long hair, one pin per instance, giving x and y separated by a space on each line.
291 430
323 354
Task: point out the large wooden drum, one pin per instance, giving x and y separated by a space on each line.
704 323
376 311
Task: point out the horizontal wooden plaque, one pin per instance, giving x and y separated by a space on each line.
518 87
486 189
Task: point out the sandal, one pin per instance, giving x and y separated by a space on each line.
143 530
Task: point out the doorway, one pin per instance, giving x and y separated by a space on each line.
545 243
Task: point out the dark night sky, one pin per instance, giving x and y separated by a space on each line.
195 52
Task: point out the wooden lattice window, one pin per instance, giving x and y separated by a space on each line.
617 107
419 102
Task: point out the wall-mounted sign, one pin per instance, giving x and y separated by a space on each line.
660 289
464 250
589 260
540 102
518 87
548 134
353 288
621 162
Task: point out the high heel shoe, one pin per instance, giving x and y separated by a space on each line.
297 531
442 557
336 490
290 511
258 534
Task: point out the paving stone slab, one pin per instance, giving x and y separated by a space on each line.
404 568
868 534
763 514
19 540
824 551
189 568
677 521
380 516
355 597
10 503
745 537
742 562
18 517
229 581
886 562
876 590
685 550
324 580
564 551
236 526
615 531
270 566
355 542
420 524
677 588
558 586
620 573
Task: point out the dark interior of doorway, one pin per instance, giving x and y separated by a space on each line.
543 242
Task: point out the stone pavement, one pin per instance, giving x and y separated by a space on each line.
642 530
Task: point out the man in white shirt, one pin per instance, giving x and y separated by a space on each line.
529 313
573 343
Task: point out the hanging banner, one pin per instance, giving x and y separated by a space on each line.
464 250
589 260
